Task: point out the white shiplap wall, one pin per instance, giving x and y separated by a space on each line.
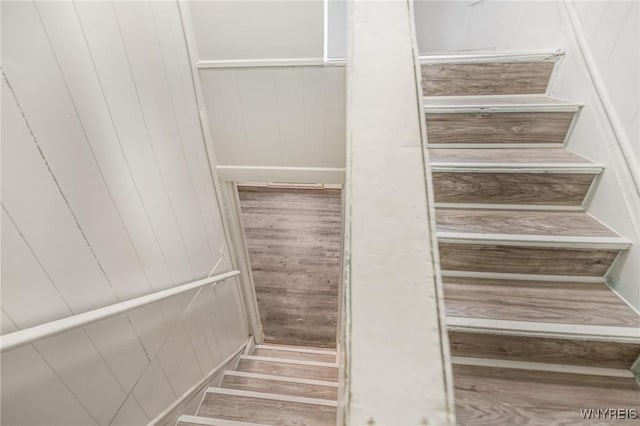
106 195
272 117
610 37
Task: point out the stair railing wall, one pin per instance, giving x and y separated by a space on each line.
395 366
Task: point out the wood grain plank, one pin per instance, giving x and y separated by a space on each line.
544 301
508 156
525 260
543 349
520 222
494 396
289 370
494 78
283 353
293 237
264 411
280 387
502 127
562 189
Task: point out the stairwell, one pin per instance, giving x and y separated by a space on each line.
536 334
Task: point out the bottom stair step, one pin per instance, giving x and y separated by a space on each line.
186 420
499 396
266 408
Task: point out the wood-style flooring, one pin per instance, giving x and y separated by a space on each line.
293 237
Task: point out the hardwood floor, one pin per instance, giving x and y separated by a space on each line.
293 236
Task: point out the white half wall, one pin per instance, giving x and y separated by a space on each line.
106 195
600 69
258 29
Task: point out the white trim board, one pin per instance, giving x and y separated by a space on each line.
281 378
497 109
471 58
289 361
273 397
297 349
545 329
209 421
269 63
282 174
541 366
522 277
551 241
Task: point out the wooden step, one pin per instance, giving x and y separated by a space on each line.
508 176
525 242
266 408
498 121
295 352
187 420
560 322
289 368
281 385
501 396
470 77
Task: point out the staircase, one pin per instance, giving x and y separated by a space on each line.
276 385
535 332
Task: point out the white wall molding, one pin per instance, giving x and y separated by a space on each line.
282 174
481 57
269 63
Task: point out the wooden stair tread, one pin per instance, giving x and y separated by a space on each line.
280 367
523 102
267 409
187 420
506 157
479 223
299 353
498 396
585 303
279 385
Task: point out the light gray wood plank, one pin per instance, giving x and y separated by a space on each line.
283 353
521 222
525 260
486 78
544 301
561 189
280 387
508 397
289 370
542 349
502 127
293 236
509 156
267 412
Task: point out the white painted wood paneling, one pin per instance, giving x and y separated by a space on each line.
107 195
277 117
258 29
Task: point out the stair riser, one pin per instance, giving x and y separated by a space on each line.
499 127
304 356
280 387
526 260
542 349
289 370
265 411
561 189
507 78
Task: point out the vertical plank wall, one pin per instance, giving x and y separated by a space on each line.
600 69
106 195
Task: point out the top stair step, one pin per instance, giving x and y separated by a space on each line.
491 76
